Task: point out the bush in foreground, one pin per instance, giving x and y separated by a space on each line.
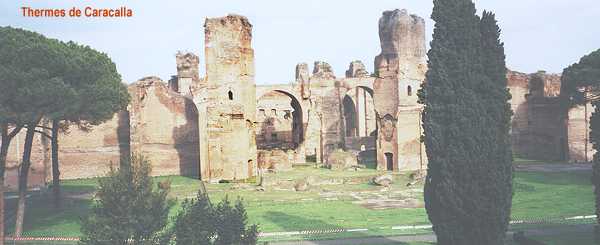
199 222
128 208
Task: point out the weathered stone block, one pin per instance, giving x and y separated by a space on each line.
383 180
274 160
340 159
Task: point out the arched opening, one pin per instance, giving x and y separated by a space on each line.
389 160
250 167
409 90
282 128
230 94
350 116
360 125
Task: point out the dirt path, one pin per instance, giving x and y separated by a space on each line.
364 241
398 240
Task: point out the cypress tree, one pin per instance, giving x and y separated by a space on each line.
465 130
496 177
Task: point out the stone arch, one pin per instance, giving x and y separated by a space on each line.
366 88
360 124
297 114
290 90
364 110
350 116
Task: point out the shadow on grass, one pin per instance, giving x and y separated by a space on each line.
324 233
43 220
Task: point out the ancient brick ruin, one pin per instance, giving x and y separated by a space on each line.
225 127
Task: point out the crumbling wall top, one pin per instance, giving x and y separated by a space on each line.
323 70
517 79
302 74
357 69
187 65
231 21
548 84
403 49
402 34
148 81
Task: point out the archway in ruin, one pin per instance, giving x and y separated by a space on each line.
389 161
349 116
360 126
280 121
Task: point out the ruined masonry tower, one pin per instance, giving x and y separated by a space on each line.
227 96
187 73
400 69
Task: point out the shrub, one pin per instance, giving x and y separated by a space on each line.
128 209
199 222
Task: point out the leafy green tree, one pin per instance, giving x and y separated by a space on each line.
128 207
468 185
199 222
100 94
231 224
195 224
47 79
580 82
580 85
10 126
31 69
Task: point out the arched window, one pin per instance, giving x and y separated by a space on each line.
230 95
409 90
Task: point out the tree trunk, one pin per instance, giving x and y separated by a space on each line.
3 153
55 169
6 139
1 210
24 177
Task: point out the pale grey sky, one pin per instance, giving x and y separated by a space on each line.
539 35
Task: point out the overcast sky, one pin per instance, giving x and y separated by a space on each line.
539 35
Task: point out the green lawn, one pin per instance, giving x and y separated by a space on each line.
523 160
536 195
552 195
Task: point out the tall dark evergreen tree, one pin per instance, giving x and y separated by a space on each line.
497 175
468 186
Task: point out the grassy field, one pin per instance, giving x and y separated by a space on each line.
324 207
519 160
